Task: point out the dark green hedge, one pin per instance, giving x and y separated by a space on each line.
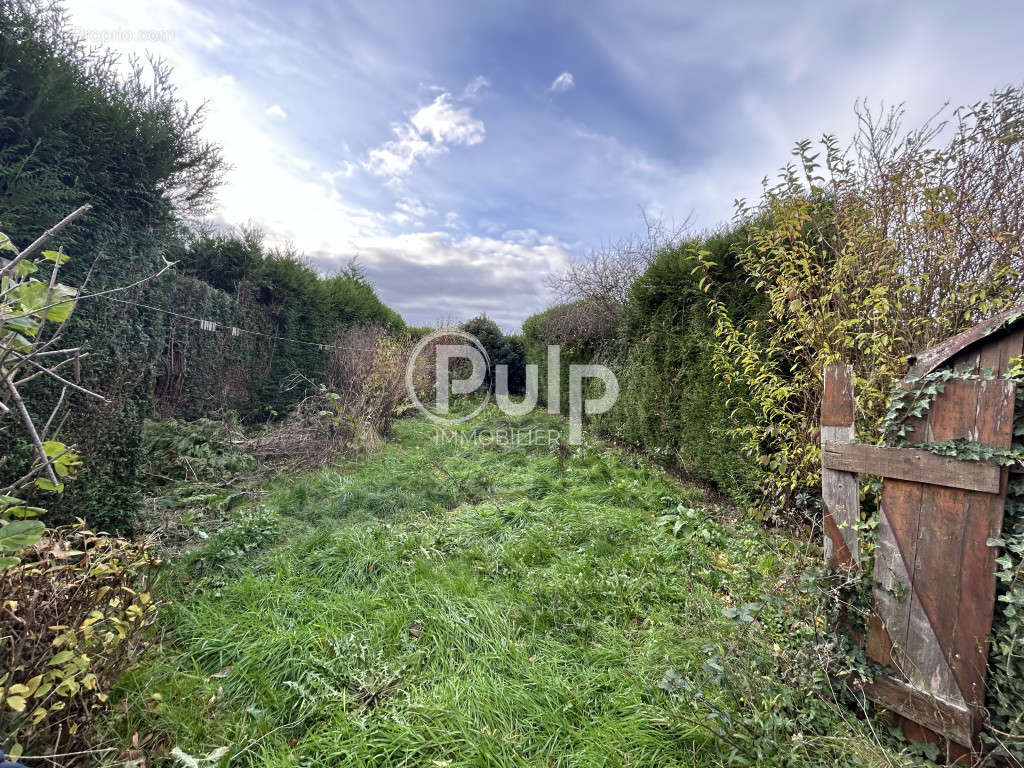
72 131
672 402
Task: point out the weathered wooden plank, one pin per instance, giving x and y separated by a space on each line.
879 644
951 720
952 571
938 638
912 464
935 569
994 419
1012 346
982 519
908 626
935 594
900 512
838 407
992 357
931 358
840 494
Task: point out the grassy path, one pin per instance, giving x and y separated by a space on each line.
455 605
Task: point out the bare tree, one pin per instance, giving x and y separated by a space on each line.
606 274
592 292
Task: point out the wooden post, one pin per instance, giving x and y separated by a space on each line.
840 495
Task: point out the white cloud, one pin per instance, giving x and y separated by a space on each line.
276 112
447 123
562 83
409 209
276 184
458 278
474 86
346 171
430 131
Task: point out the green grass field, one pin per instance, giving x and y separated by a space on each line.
474 604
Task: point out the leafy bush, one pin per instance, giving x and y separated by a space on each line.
75 129
867 257
365 392
73 618
507 350
544 329
673 402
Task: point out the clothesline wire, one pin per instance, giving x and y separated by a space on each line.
212 325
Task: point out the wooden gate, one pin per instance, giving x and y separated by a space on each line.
934 574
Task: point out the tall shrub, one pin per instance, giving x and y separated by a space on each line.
866 256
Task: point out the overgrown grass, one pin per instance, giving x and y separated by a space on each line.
468 605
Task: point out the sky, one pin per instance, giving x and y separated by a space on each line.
464 151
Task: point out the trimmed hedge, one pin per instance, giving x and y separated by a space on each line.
672 402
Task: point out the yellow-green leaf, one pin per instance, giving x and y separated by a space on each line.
17 703
61 658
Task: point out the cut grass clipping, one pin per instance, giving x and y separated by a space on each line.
478 603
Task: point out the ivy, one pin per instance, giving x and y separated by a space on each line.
911 400
970 450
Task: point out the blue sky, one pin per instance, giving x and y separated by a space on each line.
463 151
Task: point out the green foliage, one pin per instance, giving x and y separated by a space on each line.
1005 688
539 331
74 130
867 256
501 350
205 450
674 403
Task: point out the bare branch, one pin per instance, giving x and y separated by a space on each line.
50 373
56 408
80 297
41 240
27 420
